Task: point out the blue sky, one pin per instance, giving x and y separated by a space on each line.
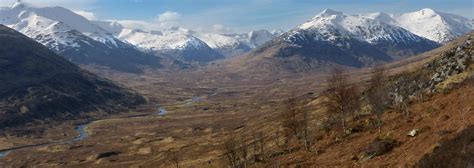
239 15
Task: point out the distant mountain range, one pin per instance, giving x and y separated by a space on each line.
75 37
188 45
333 37
39 85
107 43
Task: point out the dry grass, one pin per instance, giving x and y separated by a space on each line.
243 104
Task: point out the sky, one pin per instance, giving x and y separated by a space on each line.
225 16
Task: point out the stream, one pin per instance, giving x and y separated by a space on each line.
81 129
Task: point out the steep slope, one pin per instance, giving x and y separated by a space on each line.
441 116
39 85
75 37
436 26
333 37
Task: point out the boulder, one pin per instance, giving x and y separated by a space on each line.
413 132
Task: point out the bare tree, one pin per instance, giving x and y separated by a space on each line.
354 101
243 149
254 143
174 157
258 146
306 141
290 119
378 94
261 141
277 137
342 96
231 150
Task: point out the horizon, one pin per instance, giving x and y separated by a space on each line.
233 17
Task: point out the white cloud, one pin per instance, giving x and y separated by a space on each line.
162 21
168 19
218 28
138 24
173 19
86 14
169 16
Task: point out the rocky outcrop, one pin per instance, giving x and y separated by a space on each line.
450 63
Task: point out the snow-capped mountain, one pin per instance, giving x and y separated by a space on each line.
436 26
260 37
332 25
188 45
335 37
176 43
75 37
236 44
226 45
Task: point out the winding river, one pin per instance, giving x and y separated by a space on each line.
82 129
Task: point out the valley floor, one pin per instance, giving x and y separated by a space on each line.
202 110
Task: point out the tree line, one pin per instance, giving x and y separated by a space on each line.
344 99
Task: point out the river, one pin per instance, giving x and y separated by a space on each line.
82 129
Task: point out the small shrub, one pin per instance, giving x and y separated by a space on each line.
379 147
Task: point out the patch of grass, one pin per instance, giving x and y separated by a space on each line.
453 80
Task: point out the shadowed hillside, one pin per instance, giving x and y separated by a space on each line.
37 84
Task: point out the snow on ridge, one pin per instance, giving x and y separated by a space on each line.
168 40
21 12
331 25
52 34
428 23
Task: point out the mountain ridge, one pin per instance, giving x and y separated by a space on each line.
81 42
431 24
334 38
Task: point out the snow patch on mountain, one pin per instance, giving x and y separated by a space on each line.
171 39
332 25
20 13
53 34
436 26
76 38
236 44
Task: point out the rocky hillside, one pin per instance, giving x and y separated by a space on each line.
437 132
445 71
39 85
